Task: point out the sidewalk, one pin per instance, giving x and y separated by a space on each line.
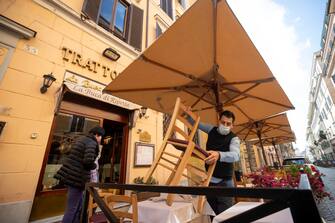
327 207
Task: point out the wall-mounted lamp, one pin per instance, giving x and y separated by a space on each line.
143 111
111 54
2 126
47 82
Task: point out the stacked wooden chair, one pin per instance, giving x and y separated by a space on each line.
181 140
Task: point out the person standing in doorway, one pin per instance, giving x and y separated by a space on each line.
223 147
76 171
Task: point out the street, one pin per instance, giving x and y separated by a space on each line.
327 207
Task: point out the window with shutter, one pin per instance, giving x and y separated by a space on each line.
136 27
182 3
158 30
166 5
91 9
114 16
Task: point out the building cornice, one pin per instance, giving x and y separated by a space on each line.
17 28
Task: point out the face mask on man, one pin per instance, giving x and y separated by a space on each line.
223 130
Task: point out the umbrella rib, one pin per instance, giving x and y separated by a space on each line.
202 109
250 119
269 128
200 98
271 117
277 124
243 92
233 102
178 88
259 98
246 136
242 111
142 89
189 76
259 81
244 127
194 95
277 128
215 7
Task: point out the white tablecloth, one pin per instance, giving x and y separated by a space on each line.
160 212
283 216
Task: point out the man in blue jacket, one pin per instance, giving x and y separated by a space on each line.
224 149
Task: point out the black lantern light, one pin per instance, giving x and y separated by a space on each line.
47 82
143 111
111 54
2 126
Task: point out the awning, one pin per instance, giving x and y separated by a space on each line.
92 89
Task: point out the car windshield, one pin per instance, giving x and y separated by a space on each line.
294 161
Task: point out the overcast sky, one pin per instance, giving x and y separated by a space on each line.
286 32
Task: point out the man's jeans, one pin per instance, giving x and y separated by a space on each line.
73 207
220 203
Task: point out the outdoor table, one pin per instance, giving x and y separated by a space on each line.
240 207
160 212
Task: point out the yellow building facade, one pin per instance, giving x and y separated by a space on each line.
67 38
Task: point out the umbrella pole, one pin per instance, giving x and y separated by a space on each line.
274 146
262 147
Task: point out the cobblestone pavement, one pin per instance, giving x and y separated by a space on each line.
327 207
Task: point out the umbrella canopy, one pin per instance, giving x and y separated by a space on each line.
271 141
287 137
276 126
208 60
271 131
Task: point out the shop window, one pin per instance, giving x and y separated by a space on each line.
166 5
67 128
118 17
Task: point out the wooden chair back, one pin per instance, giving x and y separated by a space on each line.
111 200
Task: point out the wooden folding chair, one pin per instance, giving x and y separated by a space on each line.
178 162
91 204
124 216
120 212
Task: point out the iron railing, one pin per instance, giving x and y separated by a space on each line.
300 201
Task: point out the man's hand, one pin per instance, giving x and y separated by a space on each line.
213 157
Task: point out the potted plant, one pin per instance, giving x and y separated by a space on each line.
289 178
144 195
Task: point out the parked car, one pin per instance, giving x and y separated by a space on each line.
299 160
295 160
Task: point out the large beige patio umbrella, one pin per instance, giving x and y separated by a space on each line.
273 141
274 129
208 60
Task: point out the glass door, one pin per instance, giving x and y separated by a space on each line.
68 127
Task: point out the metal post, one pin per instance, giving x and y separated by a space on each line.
274 146
259 134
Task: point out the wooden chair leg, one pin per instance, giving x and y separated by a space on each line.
155 163
201 202
90 207
181 167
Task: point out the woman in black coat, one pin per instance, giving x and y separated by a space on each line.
75 172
